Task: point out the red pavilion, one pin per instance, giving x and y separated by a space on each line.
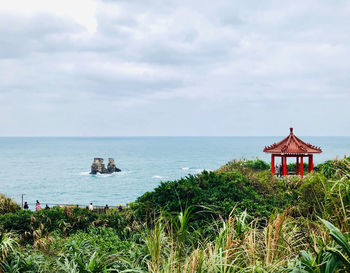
292 146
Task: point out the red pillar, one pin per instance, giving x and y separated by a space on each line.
311 163
297 165
273 164
301 166
285 166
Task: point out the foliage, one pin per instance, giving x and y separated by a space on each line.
34 226
234 165
312 194
216 193
329 199
7 244
24 261
239 218
7 205
292 167
335 168
333 257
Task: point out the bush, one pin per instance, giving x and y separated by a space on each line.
259 195
65 220
312 194
257 165
335 168
18 221
292 167
327 168
7 205
244 165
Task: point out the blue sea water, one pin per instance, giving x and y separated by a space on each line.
56 170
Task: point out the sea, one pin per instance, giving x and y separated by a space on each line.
55 170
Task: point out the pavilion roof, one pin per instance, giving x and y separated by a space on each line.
292 145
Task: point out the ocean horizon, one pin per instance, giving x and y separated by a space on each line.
55 170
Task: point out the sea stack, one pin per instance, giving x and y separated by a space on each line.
111 168
98 166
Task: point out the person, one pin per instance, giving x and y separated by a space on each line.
37 206
120 208
91 207
47 206
26 205
106 208
280 170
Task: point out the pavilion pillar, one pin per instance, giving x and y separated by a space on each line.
297 170
301 166
285 166
311 163
273 164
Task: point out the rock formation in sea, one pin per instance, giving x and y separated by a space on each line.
98 166
111 168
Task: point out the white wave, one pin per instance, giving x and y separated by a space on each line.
157 176
197 170
105 174
193 170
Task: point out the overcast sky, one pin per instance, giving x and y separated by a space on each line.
160 67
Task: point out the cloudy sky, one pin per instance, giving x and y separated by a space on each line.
180 67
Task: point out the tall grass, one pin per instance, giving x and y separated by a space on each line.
8 243
239 246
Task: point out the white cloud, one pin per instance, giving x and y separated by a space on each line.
178 67
81 11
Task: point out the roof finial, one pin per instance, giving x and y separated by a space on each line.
291 129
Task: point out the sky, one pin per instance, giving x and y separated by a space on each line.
174 68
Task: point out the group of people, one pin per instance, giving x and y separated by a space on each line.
37 205
106 208
90 207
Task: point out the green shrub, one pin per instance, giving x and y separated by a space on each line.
66 220
18 221
335 168
257 165
327 168
292 167
244 165
312 193
258 193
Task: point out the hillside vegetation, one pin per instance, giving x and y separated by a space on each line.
238 218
